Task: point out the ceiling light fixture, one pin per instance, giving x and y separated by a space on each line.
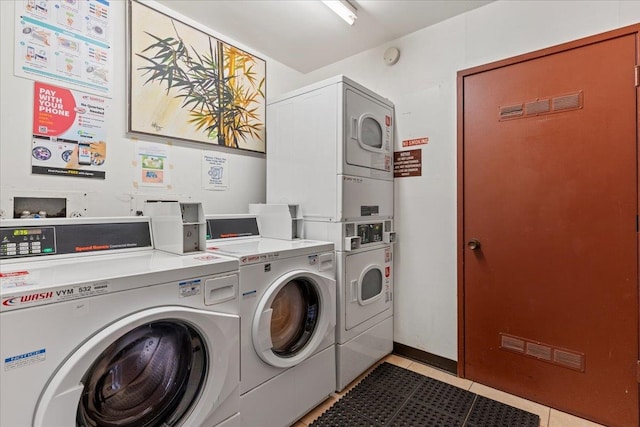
343 9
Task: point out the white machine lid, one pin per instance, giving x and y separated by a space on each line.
239 236
43 281
263 249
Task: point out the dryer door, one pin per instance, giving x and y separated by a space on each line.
294 318
367 286
368 137
169 366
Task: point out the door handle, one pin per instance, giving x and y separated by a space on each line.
473 244
354 127
353 291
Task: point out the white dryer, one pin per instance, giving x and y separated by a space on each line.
364 330
287 306
98 329
364 325
333 151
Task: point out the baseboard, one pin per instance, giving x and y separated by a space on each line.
426 358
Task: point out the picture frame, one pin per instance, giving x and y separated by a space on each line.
185 84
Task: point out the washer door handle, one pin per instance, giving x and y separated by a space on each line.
264 331
354 128
353 288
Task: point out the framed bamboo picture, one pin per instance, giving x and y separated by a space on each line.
186 84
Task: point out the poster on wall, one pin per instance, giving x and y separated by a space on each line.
69 132
215 171
65 42
152 166
209 91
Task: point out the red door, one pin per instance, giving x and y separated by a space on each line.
548 219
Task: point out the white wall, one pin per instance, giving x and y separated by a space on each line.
118 194
423 87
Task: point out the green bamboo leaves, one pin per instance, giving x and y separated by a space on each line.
225 98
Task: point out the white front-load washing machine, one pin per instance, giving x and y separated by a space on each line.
99 329
287 307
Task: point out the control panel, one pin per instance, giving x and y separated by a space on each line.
221 227
370 233
27 241
352 235
20 241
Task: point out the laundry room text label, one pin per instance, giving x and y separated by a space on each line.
60 294
189 288
25 359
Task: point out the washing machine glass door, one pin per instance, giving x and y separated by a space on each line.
163 366
368 285
292 318
148 377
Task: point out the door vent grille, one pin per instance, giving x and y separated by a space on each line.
511 112
544 352
567 102
538 351
537 107
513 343
569 359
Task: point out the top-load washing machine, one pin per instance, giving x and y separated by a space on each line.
99 329
332 151
287 306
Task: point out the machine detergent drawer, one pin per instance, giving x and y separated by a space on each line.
220 289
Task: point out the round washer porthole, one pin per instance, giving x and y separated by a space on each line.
150 376
295 317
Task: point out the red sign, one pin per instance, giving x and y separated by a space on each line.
54 110
416 141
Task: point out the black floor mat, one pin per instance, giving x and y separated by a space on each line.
391 396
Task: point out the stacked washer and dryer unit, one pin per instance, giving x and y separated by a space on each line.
331 153
100 329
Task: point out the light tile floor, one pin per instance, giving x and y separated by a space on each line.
548 417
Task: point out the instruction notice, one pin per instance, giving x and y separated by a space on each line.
407 163
68 41
215 171
69 132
